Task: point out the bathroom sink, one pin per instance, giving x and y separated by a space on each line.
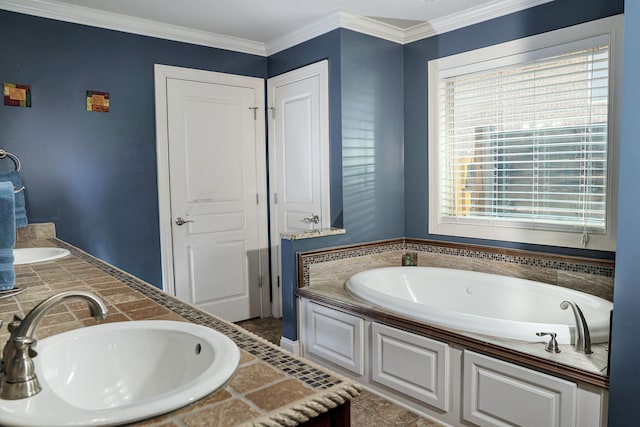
117 373
33 255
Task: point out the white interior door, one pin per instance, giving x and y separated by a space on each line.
299 157
216 177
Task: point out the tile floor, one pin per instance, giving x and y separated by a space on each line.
368 409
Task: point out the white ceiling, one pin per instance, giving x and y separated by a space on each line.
261 23
267 20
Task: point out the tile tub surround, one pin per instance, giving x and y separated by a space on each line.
593 276
270 388
322 275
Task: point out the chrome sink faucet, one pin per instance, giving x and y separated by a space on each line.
17 372
582 340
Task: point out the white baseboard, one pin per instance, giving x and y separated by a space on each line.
289 345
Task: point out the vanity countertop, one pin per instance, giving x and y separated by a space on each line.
271 387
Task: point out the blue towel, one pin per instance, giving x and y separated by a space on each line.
7 235
21 212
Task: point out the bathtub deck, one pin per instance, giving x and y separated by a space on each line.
568 364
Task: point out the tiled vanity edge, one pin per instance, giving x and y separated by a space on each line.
326 390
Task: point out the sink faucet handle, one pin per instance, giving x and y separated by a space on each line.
552 346
13 325
8 350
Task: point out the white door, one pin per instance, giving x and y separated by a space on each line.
216 178
299 157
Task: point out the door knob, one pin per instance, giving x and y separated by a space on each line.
313 219
181 221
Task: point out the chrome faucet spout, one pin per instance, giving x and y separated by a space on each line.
582 339
17 373
27 326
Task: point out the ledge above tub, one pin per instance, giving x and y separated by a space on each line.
321 232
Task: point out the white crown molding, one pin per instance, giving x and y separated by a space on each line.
304 34
372 27
468 17
341 19
114 21
419 32
386 31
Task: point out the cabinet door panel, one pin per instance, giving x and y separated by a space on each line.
335 336
411 364
500 394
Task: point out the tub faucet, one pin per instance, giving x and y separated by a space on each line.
582 341
17 371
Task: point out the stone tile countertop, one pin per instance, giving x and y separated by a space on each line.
271 387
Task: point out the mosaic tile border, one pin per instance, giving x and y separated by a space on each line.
305 259
530 261
313 377
510 256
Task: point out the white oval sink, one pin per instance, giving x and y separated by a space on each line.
33 255
118 373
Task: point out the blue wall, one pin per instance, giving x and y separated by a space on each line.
327 47
368 86
625 345
550 16
372 137
94 174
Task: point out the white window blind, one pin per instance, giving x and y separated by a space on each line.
526 143
523 138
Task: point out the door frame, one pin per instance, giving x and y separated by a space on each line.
161 74
320 69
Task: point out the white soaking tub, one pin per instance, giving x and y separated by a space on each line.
481 303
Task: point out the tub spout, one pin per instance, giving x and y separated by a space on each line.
582 341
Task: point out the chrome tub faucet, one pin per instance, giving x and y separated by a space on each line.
582 339
17 372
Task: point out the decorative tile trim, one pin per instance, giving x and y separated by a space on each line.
305 411
558 262
287 363
596 267
305 259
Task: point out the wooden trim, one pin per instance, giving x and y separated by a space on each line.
483 347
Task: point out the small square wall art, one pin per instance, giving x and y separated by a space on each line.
98 101
17 95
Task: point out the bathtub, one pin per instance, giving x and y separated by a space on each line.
481 303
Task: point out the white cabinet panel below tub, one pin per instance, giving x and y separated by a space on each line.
501 394
334 336
411 364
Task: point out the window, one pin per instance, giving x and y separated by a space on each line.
523 139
